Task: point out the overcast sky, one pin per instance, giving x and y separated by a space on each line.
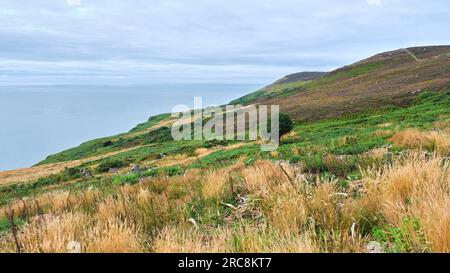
203 41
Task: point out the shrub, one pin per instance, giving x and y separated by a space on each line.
295 159
107 143
159 135
109 164
285 123
126 179
169 171
214 143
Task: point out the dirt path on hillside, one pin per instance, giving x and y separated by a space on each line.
34 173
200 154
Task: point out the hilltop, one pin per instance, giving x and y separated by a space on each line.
390 78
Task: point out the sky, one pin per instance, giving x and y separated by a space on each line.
203 41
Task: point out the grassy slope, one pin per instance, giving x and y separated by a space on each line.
150 209
338 148
135 137
391 78
311 143
387 79
281 87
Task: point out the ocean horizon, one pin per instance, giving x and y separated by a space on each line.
39 120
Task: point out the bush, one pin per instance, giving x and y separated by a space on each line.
126 179
71 173
214 143
338 166
107 143
109 164
286 124
169 171
162 134
172 171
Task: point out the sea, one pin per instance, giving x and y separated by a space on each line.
37 121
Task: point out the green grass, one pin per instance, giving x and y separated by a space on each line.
357 132
5 224
344 74
133 178
398 239
288 89
150 122
227 157
276 90
115 143
349 137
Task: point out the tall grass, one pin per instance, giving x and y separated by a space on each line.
429 140
265 207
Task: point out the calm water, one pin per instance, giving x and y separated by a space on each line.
39 121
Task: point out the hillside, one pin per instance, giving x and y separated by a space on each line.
366 170
390 78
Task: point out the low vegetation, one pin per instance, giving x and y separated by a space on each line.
379 178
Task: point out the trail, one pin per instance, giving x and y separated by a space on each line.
412 55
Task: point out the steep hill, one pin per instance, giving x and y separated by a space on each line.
333 185
390 78
300 77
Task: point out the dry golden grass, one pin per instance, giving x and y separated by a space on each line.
415 139
250 239
277 209
214 183
177 240
262 178
218 182
384 125
113 237
382 133
377 153
293 208
274 187
54 202
417 188
443 125
52 234
247 239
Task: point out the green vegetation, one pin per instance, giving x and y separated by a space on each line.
334 147
5 224
271 91
285 123
221 159
365 161
151 122
109 164
279 90
114 143
332 155
400 240
350 72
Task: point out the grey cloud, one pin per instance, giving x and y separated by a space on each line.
204 40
